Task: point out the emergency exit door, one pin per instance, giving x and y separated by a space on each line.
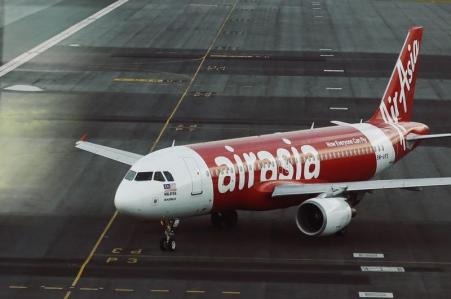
196 178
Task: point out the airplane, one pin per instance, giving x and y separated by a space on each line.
324 171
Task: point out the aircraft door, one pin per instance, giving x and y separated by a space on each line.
196 178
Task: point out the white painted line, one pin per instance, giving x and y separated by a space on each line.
318 16
124 290
51 288
21 87
316 3
368 255
334 71
74 45
18 287
334 88
375 295
200 4
30 54
382 269
316 7
327 55
325 49
89 289
339 108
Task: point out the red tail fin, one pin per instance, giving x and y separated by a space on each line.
397 102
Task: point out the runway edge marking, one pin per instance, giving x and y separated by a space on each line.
113 217
44 46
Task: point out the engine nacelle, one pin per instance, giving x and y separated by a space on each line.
323 216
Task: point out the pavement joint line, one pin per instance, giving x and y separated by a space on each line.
17 287
44 46
193 78
299 260
114 216
231 292
124 290
159 290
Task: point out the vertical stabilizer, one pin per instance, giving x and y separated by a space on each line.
397 102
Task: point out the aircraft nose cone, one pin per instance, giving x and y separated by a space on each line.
121 198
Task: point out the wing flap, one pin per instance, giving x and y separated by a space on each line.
305 189
109 152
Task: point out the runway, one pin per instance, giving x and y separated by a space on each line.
151 72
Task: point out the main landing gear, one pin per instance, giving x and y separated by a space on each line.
167 241
227 219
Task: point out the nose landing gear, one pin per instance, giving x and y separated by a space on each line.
167 241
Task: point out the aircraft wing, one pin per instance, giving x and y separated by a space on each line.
109 152
337 188
414 137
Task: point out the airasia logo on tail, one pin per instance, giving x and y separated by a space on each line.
390 108
287 165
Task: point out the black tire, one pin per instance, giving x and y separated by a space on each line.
230 219
217 219
163 244
171 245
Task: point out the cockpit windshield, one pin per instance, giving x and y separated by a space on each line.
149 176
159 177
130 175
144 176
168 176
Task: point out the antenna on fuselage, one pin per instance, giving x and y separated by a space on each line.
173 143
313 126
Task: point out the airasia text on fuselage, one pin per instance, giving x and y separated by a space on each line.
241 170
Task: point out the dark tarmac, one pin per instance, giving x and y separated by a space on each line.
263 66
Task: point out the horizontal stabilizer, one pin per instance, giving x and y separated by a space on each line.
332 188
414 137
109 152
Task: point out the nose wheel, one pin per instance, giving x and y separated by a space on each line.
167 241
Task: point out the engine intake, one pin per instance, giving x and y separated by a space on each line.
323 216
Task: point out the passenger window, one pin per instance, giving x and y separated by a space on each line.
130 175
159 177
168 176
144 176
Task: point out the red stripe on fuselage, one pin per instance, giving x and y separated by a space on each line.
345 155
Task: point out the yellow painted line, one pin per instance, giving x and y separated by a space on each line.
18 287
185 93
91 254
113 217
231 292
51 288
160 291
124 290
195 292
89 289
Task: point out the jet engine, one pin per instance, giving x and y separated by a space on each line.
322 216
